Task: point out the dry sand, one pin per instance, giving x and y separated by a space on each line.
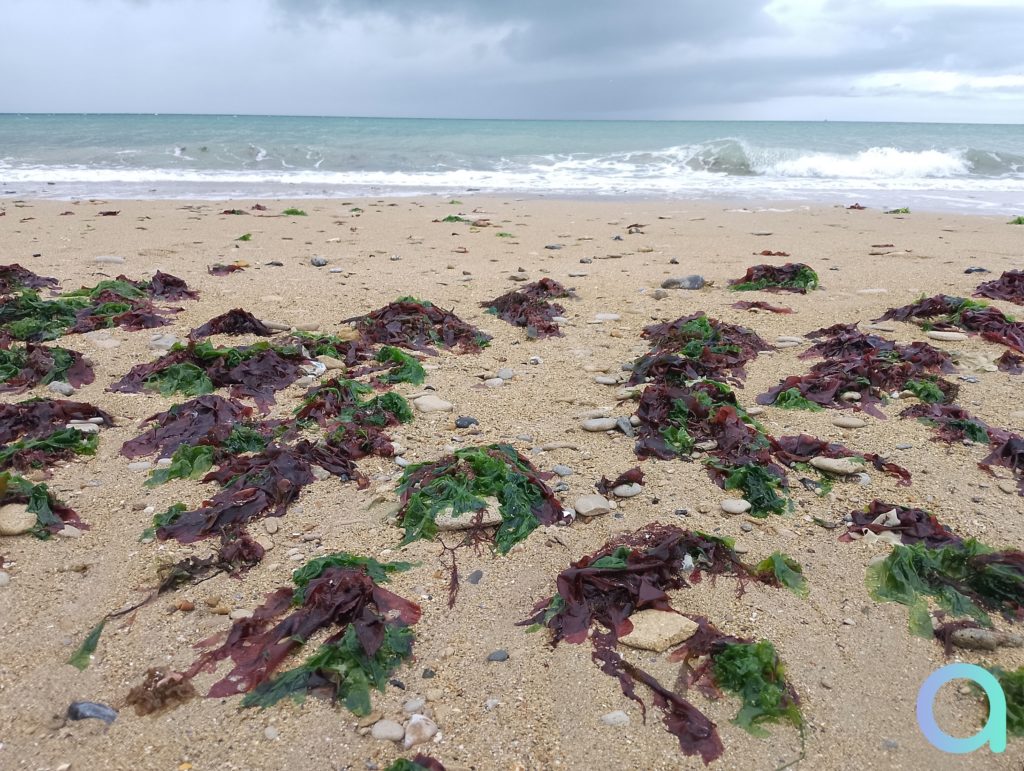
852 660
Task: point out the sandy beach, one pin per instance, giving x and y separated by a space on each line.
851 659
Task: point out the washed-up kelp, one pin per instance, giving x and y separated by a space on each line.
1009 287
696 346
25 367
597 594
967 579
1008 452
761 305
63 444
791 277
466 483
1010 362
254 371
338 402
208 419
393 365
14 278
109 309
51 514
420 326
951 422
370 637
530 307
1012 683
26 316
632 477
944 312
869 366
36 418
163 286
234 322
908 525
801 448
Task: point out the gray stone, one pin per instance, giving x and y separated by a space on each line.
505 373
628 491
60 387
616 718
465 421
318 262
735 506
848 421
939 334
563 471
494 382
598 424
693 281
413 706
592 505
109 259
499 655
841 466
490 517
625 426
607 317
432 403
387 730
475 577
5 578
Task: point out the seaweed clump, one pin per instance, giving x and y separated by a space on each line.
51 515
530 307
234 322
14 278
418 325
25 367
905 525
1009 286
791 277
597 595
946 312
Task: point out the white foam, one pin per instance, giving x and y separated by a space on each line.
876 162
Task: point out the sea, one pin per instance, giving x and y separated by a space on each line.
930 166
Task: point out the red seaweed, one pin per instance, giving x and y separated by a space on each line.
234 322
419 325
791 277
36 418
14 277
38 364
529 307
1009 287
631 477
206 419
912 525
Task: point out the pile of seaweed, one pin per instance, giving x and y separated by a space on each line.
866 365
26 366
38 433
791 277
369 636
529 307
945 312
1009 287
677 420
234 322
119 302
597 595
964 578
14 278
696 346
418 325
51 515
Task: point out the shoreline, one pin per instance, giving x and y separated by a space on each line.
852 660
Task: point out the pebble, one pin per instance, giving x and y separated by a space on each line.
271 525
658 630
606 380
848 421
684 282
475 577
789 339
659 294
432 403
850 396
465 421
1007 486
413 706
499 655
387 730
109 259
420 729
318 262
102 339
15 519
330 362
607 317
494 382
401 462
535 360
746 527
563 471
904 446
577 273
592 505
752 411
85 428
842 466
5 578
140 465
60 387
616 718
735 506
491 704
939 334
598 424
625 425
505 373
69 531
628 491
271 733
786 344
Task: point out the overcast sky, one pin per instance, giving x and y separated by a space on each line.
927 60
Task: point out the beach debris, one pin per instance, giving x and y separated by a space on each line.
749 305
91 710
691 282
51 516
530 308
1009 286
418 325
14 278
946 312
160 690
221 269
791 277
234 322
626 479
32 364
38 433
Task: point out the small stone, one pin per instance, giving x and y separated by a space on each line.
491 704
60 387
848 421
939 334
432 403
240 613
848 622
109 259
15 519
465 421
475 577
330 362
607 317
5 578
841 466
563 471
598 424
420 729
735 506
616 718
162 342
628 491
659 294
318 262
499 655
904 446
140 465
505 373
1007 486
413 706
746 527
592 505
693 281
535 360
606 380
388 731
850 396
494 382
271 525
789 339
625 426
271 733
658 630
69 531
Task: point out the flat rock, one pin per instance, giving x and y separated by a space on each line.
598 424
616 718
15 519
562 470
490 517
848 421
592 505
60 387
693 281
607 317
505 373
109 259
330 362
939 334
494 382
658 630
387 730
735 506
419 729
432 403
841 466
628 491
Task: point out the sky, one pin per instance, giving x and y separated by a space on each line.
902 60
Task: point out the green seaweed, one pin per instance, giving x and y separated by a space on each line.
1018 220
293 212
163 519
759 488
378 572
1012 682
407 370
186 378
62 441
805 279
82 657
245 237
244 439
792 399
925 390
454 218
755 673
901 210
504 234
188 462
786 570
25 316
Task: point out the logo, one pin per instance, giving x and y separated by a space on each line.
994 731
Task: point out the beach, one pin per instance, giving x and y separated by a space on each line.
851 659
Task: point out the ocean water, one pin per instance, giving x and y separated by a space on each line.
929 166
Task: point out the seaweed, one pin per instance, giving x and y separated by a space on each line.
25 316
760 486
293 212
418 325
948 312
36 418
781 570
1010 362
51 514
61 445
233 322
418 763
632 477
370 638
160 690
791 277
790 399
1009 286
205 420
528 307
188 462
462 482
747 305
951 422
1012 683
1008 452
910 525
340 400
82 656
14 278
398 367
900 210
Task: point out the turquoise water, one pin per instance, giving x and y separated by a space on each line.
938 166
